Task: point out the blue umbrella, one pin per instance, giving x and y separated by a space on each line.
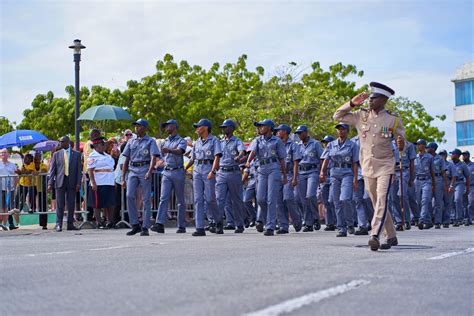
46 145
20 138
105 112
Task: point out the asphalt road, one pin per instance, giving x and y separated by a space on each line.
94 272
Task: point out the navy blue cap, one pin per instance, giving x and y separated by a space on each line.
228 123
421 142
265 122
377 89
141 122
169 122
432 145
203 122
283 127
456 152
443 152
327 139
466 152
301 129
346 126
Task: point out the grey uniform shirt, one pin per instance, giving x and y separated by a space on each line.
173 142
140 150
205 150
230 150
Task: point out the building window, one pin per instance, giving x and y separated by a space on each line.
465 133
464 92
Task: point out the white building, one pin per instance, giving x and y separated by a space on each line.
464 109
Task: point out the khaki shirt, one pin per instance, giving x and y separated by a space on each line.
376 135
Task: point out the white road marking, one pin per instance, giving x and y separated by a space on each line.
108 248
452 254
311 298
50 253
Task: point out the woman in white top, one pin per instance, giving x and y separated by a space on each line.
102 181
8 182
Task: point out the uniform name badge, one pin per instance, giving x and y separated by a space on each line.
208 153
347 159
146 151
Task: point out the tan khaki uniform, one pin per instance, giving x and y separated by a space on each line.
377 159
86 153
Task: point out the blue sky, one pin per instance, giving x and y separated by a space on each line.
413 46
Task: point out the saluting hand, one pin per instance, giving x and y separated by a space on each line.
359 99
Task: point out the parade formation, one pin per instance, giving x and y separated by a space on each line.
375 184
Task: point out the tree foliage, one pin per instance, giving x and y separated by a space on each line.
5 125
185 92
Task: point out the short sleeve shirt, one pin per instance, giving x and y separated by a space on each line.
230 150
268 148
311 152
423 165
141 150
173 142
100 162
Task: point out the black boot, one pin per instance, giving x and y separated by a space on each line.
135 230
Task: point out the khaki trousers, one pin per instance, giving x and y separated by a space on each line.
378 189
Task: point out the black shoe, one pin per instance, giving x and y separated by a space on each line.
330 228
246 223
110 226
159 228
317 225
144 232
208 227
456 224
369 227
407 226
307 229
277 227
420 226
389 243
239 230
437 226
399 227
212 228
268 232
361 231
374 243
72 228
427 226
341 234
451 221
445 225
199 232
220 229
58 228
252 223
351 230
12 227
45 228
135 230
467 223
281 231
297 227
229 227
181 230
259 227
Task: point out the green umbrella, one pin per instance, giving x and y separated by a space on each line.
105 112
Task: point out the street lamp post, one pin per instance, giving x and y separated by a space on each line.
77 46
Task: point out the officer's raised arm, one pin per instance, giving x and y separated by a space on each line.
344 114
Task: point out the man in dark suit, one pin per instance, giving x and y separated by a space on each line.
65 177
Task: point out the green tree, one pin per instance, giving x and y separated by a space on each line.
5 125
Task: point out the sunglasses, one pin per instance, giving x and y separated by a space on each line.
128 134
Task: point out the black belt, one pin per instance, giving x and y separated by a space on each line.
438 174
459 180
139 163
307 167
423 178
229 169
342 165
205 162
267 161
171 168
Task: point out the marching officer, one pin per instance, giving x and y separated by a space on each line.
330 219
308 179
140 158
229 181
461 186
448 198
470 207
288 203
343 155
205 155
250 194
441 183
376 128
173 177
270 152
425 184
406 161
